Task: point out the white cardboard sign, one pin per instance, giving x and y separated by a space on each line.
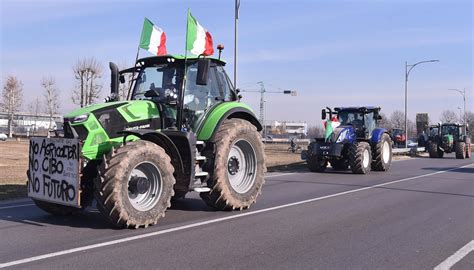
54 170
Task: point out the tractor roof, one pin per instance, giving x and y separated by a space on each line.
176 57
358 109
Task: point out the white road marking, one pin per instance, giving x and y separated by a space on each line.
16 206
456 257
207 222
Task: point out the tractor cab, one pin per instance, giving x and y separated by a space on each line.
161 79
362 119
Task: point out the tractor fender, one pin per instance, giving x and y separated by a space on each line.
162 140
377 135
216 117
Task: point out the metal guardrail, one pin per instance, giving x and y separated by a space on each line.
412 150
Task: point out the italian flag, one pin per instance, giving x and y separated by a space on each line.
198 39
153 38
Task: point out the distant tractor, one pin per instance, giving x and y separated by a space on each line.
357 142
448 138
398 137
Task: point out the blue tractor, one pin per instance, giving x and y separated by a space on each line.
354 140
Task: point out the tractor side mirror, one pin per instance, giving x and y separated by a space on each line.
122 78
203 71
323 114
379 117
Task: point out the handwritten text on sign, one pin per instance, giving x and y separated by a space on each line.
54 170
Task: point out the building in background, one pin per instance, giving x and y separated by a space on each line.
30 123
286 129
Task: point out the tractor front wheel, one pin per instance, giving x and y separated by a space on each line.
360 158
239 166
433 149
135 185
460 149
382 154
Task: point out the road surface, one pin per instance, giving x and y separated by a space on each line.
420 215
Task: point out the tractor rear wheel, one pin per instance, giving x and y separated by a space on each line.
340 164
239 166
382 154
460 149
433 149
135 184
360 157
468 148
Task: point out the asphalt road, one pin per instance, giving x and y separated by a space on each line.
417 216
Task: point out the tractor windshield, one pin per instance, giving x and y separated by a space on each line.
450 130
164 79
357 119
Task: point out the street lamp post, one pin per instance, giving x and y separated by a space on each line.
463 93
408 68
460 116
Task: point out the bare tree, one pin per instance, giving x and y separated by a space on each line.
385 122
34 107
12 96
87 72
51 98
448 116
397 119
315 132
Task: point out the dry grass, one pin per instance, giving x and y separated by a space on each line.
14 163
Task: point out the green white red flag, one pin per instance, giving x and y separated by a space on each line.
198 39
153 38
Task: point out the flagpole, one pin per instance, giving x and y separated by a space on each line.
181 101
133 73
136 59
237 7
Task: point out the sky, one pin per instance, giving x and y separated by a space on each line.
333 53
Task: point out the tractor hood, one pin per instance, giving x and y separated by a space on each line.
132 110
343 134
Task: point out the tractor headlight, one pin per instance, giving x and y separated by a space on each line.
80 118
342 135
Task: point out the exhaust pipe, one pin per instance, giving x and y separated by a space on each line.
114 79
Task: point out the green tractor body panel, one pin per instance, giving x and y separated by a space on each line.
98 141
211 122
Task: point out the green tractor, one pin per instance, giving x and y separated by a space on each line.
448 138
182 129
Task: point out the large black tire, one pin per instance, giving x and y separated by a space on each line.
89 173
382 154
316 164
236 135
432 149
460 149
340 164
119 199
360 158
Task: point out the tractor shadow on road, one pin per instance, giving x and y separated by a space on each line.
191 204
382 187
451 169
90 219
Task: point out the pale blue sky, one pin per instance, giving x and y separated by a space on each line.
331 52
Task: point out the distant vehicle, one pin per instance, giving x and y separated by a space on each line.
357 142
398 137
450 138
294 147
267 139
412 144
3 137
